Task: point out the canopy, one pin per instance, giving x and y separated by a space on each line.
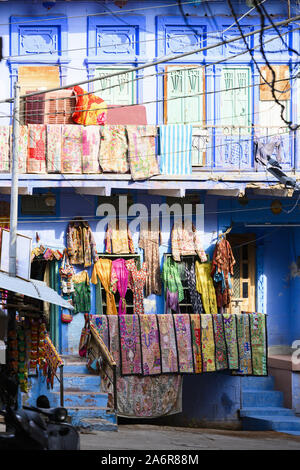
33 288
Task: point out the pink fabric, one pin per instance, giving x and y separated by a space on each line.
119 281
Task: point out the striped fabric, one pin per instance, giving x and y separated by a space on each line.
176 149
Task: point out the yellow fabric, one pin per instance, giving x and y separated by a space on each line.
205 286
102 269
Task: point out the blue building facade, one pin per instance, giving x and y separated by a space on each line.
88 39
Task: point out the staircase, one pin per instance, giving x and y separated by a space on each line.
262 407
86 404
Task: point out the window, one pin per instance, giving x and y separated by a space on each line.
243 282
269 110
186 304
235 107
117 90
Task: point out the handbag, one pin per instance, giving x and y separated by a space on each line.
84 337
66 317
66 272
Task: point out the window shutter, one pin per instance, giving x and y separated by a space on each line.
174 88
227 97
120 89
283 89
235 99
242 95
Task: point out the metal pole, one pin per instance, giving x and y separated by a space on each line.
14 183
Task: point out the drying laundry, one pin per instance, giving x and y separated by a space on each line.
141 152
54 148
90 149
176 149
113 149
4 149
71 153
36 161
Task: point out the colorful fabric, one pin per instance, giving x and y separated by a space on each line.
195 297
113 149
244 344
258 331
36 161
114 344
141 152
205 287
196 342
118 240
119 282
54 142
102 270
230 332
208 343
90 149
90 110
100 323
81 244
71 154
4 149
149 241
151 358
82 293
53 360
23 149
185 240
222 267
221 351
169 356
171 302
171 277
184 343
130 345
136 282
176 149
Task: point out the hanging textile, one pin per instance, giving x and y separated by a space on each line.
222 268
196 300
90 149
185 240
136 282
36 162
54 147
168 346
113 149
171 302
208 343
90 109
258 331
205 287
196 342
151 360
229 322
102 270
23 149
176 149
81 244
82 293
118 240
220 344
130 345
149 241
244 344
141 152
184 343
119 282
171 277
71 153
4 149
100 323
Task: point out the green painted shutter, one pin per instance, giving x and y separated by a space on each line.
120 89
235 96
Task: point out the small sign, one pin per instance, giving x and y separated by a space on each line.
23 255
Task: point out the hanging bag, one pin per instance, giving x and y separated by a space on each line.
66 272
85 332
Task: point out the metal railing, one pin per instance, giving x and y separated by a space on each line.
107 362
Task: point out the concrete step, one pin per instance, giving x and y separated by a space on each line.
81 398
98 424
262 398
79 382
80 413
293 433
271 423
258 383
270 411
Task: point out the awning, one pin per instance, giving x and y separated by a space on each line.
33 288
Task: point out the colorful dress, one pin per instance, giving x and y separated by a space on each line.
171 277
82 294
102 270
194 294
136 282
149 242
118 240
205 287
222 267
119 282
186 241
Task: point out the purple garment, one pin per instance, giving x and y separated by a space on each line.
119 281
172 302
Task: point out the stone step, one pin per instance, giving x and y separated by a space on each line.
293 433
270 411
79 382
98 424
81 398
271 423
258 383
262 398
79 413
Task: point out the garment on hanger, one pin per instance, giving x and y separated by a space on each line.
118 240
102 270
149 241
222 267
264 150
195 296
171 277
119 282
136 282
185 240
82 294
113 149
141 152
81 244
172 304
205 287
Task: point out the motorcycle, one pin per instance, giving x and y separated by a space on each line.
35 428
